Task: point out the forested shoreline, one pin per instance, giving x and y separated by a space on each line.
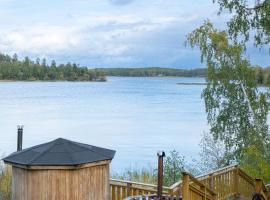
154 72
11 68
261 75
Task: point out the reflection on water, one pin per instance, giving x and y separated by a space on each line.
134 116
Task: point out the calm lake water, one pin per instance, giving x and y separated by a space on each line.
134 116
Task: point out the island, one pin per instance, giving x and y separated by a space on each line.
13 69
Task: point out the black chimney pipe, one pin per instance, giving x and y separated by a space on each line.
20 137
160 174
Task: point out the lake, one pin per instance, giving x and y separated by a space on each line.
134 116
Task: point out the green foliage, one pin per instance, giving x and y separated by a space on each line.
5 182
236 110
248 16
173 167
213 154
259 76
256 163
14 69
145 175
153 71
262 75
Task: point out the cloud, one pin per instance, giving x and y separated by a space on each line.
121 2
5 1
105 40
142 34
101 34
39 38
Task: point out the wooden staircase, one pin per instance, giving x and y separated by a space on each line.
229 182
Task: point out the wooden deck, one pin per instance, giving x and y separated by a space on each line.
221 184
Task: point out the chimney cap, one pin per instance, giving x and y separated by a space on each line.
20 126
161 153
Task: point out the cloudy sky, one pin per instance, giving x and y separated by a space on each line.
109 33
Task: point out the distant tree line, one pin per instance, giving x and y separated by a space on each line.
11 68
154 71
262 75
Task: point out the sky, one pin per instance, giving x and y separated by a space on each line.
109 33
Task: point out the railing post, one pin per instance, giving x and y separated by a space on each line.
258 185
129 192
113 192
214 197
236 182
260 188
185 187
203 189
170 192
211 182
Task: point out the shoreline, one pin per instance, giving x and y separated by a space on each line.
3 81
44 81
191 83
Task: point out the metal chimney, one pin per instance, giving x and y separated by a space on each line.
19 137
160 174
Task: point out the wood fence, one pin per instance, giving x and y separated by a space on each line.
227 182
121 189
193 189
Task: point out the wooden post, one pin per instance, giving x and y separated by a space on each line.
211 182
113 193
203 189
260 188
170 192
129 193
185 187
214 197
236 182
160 174
258 185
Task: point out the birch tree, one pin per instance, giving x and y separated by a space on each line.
248 16
236 109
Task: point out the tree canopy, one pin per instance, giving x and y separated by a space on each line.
249 18
236 110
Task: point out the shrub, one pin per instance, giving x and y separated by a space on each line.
5 182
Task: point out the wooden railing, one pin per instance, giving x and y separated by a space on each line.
221 181
230 182
193 189
122 189
227 182
261 188
233 181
